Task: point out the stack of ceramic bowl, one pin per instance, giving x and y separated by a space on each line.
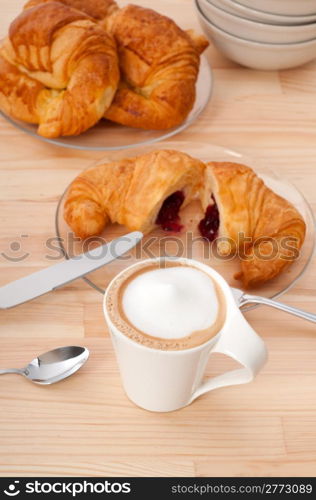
261 34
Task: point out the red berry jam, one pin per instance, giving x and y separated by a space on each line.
209 225
168 217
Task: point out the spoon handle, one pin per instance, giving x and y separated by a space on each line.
283 307
11 370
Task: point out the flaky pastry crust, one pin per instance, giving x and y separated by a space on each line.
131 191
159 64
99 10
266 229
58 69
262 228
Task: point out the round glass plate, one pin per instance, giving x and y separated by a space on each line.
189 243
108 136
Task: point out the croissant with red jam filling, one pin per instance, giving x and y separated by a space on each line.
241 213
265 229
140 193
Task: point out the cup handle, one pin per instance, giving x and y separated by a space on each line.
239 341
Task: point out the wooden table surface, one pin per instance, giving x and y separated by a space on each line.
86 425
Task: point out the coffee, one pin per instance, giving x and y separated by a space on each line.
171 307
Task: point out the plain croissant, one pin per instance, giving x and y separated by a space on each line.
131 191
265 229
58 69
159 63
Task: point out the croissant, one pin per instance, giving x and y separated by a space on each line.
58 69
248 217
140 193
159 64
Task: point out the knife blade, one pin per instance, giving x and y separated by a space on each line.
46 280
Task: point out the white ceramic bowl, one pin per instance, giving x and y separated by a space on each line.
282 7
264 17
253 30
256 55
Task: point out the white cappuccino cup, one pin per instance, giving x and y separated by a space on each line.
167 375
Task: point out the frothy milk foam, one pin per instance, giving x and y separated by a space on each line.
172 308
171 303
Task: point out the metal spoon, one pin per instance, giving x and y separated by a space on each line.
242 298
53 366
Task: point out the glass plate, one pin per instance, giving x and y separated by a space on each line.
189 243
108 136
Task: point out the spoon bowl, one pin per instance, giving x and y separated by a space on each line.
53 366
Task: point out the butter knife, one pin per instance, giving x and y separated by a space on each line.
46 280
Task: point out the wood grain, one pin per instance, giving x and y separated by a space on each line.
86 425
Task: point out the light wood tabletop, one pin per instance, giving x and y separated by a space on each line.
86 425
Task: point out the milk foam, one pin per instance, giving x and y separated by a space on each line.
171 303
